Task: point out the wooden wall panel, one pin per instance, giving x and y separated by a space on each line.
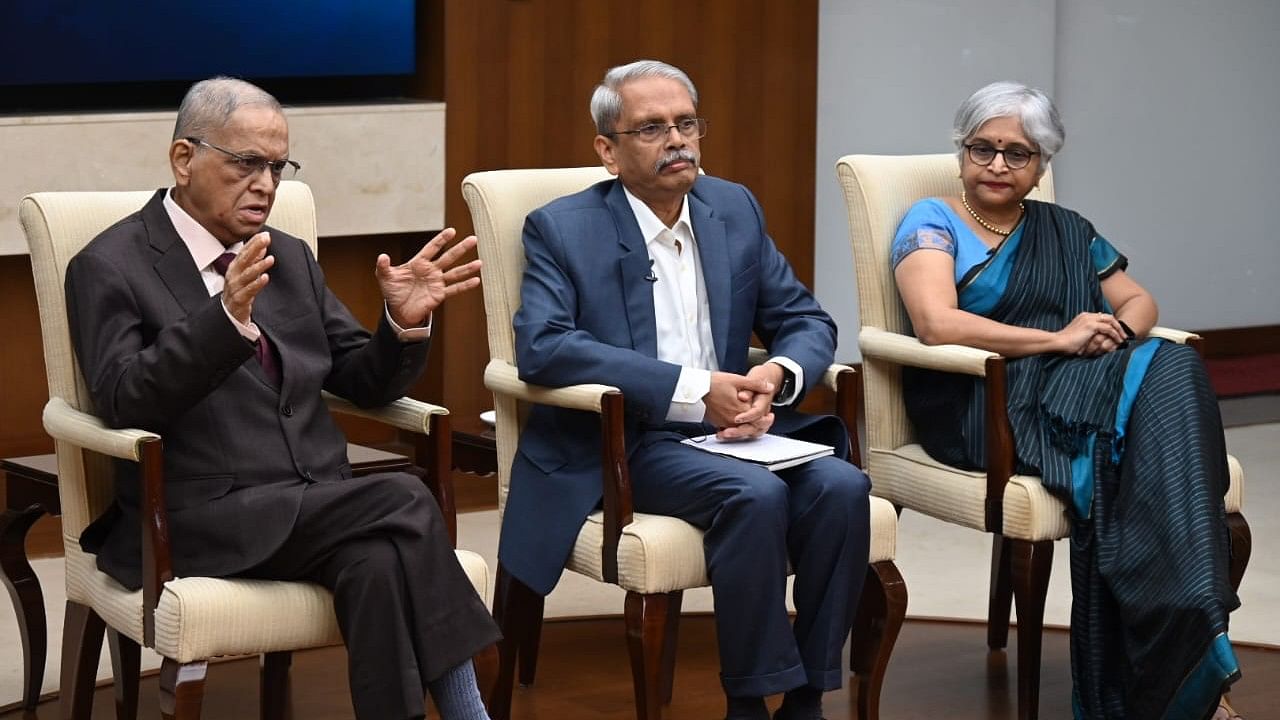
518 77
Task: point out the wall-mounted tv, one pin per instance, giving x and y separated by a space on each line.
96 54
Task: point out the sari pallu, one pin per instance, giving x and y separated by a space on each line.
1132 442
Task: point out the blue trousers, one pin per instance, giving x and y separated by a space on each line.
816 516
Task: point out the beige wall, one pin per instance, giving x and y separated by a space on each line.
373 168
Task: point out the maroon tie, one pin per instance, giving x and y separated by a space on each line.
262 349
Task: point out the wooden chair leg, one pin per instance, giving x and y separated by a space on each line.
126 664
1030 563
81 645
182 689
530 639
669 644
274 680
28 601
881 610
1241 547
518 612
1000 598
486 665
649 631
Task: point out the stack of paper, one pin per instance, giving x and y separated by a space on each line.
774 452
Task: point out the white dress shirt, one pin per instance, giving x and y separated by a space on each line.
682 313
205 248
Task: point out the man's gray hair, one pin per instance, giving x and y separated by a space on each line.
606 103
1032 107
209 104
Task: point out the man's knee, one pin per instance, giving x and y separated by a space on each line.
759 492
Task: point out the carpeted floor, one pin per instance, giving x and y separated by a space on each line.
946 570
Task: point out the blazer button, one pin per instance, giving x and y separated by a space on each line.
287 410
307 474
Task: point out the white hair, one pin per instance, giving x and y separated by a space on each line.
1032 107
606 103
208 105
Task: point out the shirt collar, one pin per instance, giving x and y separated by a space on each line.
203 246
650 226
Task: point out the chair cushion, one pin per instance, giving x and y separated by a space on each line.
908 477
659 554
200 617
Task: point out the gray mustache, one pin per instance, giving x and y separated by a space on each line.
681 155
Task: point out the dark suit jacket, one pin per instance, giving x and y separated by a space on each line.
158 353
587 316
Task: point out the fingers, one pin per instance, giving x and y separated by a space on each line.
453 254
760 406
432 248
461 287
747 431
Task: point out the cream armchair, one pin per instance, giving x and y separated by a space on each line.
1023 518
191 619
653 557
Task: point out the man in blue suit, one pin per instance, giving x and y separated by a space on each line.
654 283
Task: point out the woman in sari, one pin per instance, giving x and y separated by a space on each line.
1123 428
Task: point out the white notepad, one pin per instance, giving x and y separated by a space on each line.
774 452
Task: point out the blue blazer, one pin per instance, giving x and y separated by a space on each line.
587 317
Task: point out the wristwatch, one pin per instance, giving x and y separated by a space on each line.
788 384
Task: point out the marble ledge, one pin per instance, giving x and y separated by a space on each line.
373 168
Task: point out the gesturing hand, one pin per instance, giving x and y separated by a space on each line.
413 290
246 276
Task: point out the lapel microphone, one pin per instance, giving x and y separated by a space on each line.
652 276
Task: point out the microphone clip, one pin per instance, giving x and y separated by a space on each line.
652 276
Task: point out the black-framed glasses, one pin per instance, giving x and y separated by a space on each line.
652 132
250 165
1016 157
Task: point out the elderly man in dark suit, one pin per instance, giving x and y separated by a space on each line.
193 319
654 283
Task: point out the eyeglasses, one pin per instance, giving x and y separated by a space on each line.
1016 157
652 132
250 165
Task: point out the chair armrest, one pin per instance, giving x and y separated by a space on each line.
405 413
1182 337
86 431
831 377
81 429
432 444
503 378
906 350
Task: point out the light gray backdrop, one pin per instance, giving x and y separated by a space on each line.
1172 110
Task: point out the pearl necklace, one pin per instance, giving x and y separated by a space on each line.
983 222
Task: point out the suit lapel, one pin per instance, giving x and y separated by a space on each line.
176 268
713 252
178 271
634 266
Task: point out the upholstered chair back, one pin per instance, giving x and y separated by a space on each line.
499 201
57 226
878 191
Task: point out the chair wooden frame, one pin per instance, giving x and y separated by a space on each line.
1020 567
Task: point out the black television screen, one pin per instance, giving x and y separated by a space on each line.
50 47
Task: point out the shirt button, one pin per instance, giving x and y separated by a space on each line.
287 410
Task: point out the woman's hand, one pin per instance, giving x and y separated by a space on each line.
1090 334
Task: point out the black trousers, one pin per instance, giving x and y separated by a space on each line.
405 607
815 516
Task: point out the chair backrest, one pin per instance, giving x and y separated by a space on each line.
878 191
58 225
499 201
